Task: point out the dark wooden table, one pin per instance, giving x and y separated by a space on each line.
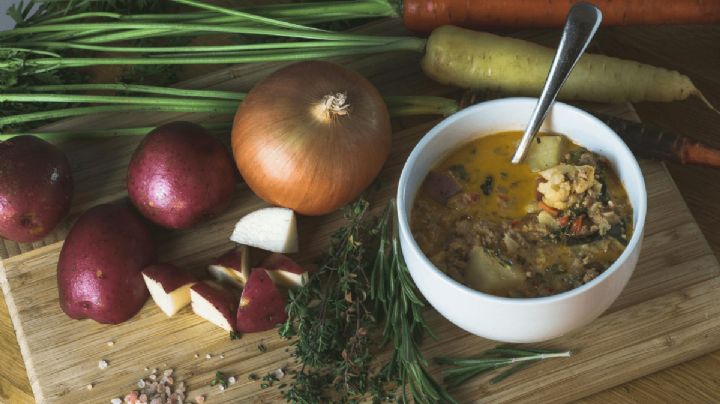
693 50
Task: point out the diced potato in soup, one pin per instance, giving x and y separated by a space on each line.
548 225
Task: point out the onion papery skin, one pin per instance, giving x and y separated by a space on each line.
293 153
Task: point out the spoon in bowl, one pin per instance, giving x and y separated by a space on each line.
582 22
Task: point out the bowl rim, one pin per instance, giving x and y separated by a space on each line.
404 226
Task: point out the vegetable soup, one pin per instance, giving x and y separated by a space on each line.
542 227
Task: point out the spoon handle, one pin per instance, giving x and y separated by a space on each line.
582 22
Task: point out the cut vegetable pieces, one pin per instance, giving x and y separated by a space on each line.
545 152
233 267
215 304
262 305
284 271
271 229
169 286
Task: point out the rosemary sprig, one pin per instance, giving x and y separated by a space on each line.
402 311
334 317
512 358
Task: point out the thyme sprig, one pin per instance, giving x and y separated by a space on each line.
510 357
331 317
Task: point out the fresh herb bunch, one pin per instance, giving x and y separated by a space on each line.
332 318
400 308
510 357
362 287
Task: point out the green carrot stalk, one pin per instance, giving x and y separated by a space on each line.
136 88
290 12
180 27
189 49
103 133
245 16
37 65
207 101
83 111
64 98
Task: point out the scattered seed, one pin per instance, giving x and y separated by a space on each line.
222 356
110 343
232 380
208 356
168 372
197 356
221 387
279 374
200 399
103 364
116 401
89 386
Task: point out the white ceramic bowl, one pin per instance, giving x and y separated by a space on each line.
514 319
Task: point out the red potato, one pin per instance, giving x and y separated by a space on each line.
233 267
284 271
262 305
181 175
99 270
214 303
169 286
36 188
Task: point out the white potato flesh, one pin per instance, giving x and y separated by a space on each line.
203 308
270 229
169 303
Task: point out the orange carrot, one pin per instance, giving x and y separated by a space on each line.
576 226
426 15
549 209
651 142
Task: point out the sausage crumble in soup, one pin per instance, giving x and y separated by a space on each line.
542 227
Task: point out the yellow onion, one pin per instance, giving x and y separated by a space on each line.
311 137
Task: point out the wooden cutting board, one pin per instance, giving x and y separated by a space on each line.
667 314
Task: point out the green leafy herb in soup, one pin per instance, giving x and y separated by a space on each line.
542 227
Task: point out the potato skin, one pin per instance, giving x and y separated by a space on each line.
36 188
99 270
262 305
180 175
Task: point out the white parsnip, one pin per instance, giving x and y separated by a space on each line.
479 60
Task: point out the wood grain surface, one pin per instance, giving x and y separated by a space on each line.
666 315
693 50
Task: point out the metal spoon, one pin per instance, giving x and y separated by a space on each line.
582 22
